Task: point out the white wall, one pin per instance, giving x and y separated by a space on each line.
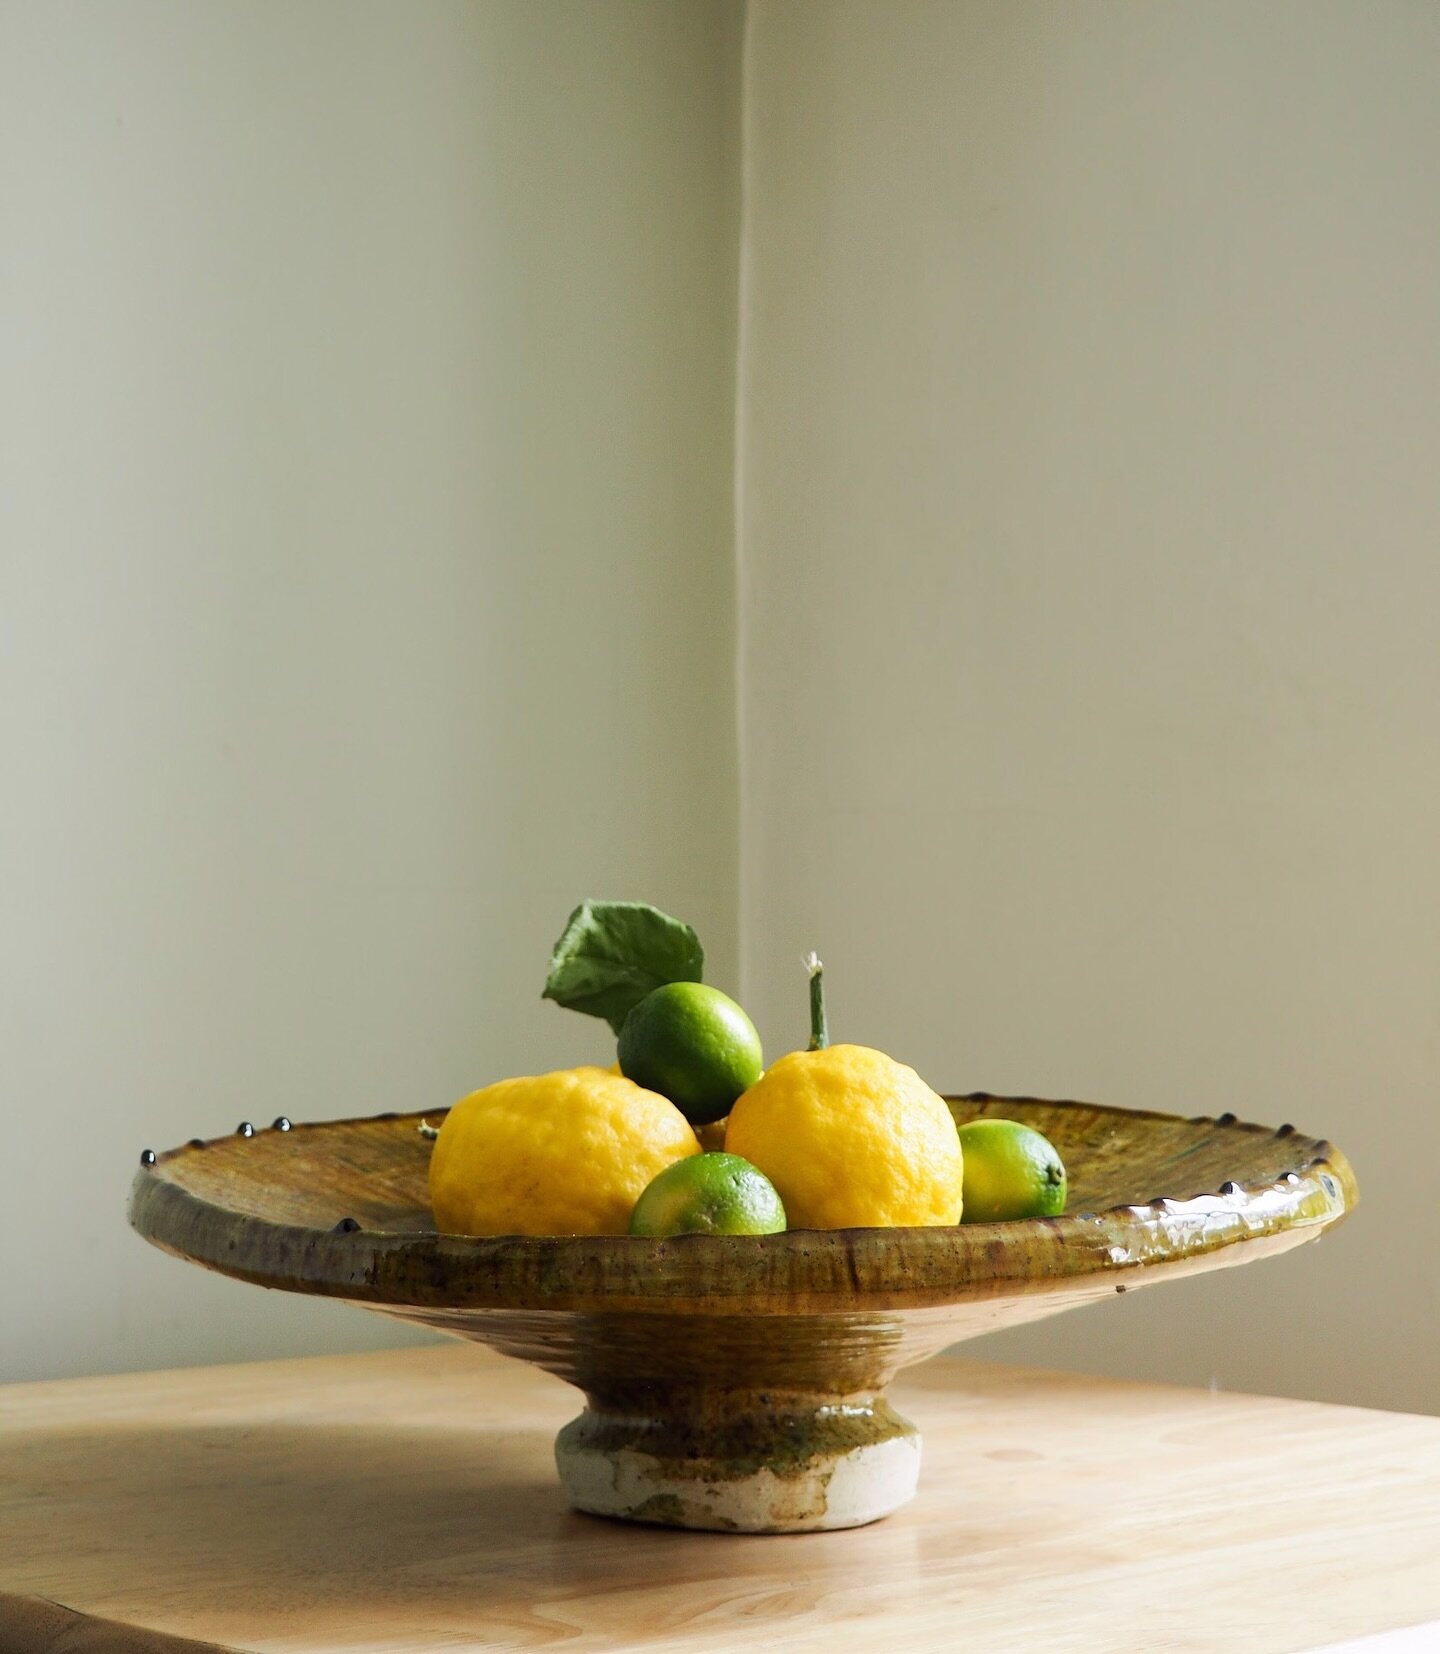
366 582
1090 511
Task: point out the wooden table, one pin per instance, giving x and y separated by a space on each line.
408 1501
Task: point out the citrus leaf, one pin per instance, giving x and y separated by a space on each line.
611 954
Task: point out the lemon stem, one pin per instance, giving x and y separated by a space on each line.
819 1032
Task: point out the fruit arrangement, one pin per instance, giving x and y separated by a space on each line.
689 1132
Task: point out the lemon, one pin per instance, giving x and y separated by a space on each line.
709 1194
1011 1171
851 1139
566 1153
692 1044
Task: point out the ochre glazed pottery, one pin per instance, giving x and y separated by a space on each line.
738 1382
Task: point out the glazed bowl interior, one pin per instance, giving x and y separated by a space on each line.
339 1208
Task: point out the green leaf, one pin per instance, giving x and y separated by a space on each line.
611 954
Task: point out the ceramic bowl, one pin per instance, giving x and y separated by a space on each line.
738 1382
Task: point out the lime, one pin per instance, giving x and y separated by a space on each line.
692 1044
709 1194
1011 1171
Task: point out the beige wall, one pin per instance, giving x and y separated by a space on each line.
1090 513
366 407
366 423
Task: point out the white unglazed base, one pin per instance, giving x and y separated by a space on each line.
836 1490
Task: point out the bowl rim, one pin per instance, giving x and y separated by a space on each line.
801 1271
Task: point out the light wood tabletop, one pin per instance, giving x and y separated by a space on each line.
408 1500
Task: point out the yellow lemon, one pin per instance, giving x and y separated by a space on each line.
567 1153
851 1139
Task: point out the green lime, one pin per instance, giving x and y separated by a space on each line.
694 1045
1011 1171
709 1194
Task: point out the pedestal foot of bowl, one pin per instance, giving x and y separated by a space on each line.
743 1465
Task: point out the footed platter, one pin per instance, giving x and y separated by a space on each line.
738 1382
